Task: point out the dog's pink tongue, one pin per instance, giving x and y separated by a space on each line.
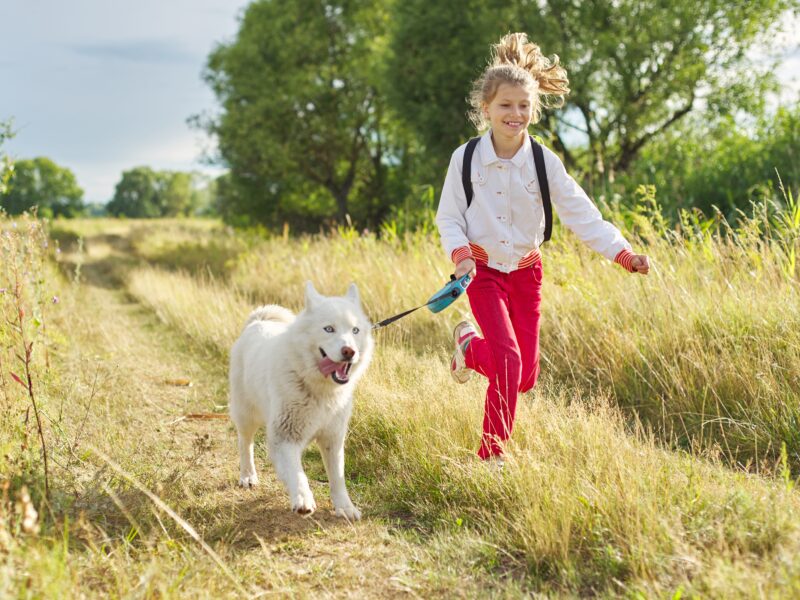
327 366
341 371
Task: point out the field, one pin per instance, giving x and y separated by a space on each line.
656 458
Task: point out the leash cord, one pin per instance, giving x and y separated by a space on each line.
454 293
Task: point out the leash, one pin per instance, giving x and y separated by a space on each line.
438 302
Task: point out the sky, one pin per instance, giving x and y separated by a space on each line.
102 86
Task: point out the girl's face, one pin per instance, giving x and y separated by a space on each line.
510 110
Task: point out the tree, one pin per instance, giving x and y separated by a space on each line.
136 195
706 163
176 193
40 182
145 193
639 67
436 50
636 67
302 115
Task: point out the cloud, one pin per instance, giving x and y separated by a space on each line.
142 51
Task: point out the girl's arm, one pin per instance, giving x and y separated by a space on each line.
450 216
576 210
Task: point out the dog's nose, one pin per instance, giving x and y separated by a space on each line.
348 353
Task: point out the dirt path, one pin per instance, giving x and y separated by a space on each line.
123 360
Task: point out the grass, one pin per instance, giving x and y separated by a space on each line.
705 350
584 503
656 457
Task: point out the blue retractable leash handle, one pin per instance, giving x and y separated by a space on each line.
448 294
438 302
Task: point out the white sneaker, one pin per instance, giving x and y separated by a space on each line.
458 364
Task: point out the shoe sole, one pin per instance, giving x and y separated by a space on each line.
460 373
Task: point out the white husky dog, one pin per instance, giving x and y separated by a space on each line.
296 375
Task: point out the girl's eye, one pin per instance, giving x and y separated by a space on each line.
355 330
329 328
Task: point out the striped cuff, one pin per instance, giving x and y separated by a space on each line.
625 260
460 254
530 259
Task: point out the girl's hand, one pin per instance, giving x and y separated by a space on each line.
640 264
465 266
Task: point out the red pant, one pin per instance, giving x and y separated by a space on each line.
507 309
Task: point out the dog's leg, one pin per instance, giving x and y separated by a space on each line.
331 444
247 466
286 456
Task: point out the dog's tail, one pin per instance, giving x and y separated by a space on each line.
270 312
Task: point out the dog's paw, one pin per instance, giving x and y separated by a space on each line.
349 512
248 481
303 504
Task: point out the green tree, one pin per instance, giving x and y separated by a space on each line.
302 121
145 193
636 67
136 195
176 193
436 50
41 182
718 163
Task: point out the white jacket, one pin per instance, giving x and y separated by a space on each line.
506 217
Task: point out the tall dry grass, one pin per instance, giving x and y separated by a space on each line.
701 354
26 295
705 350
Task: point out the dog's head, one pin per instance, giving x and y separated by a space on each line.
337 333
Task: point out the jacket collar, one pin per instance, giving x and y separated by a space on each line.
488 155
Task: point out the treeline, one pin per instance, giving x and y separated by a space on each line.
348 112
351 109
145 193
41 183
141 192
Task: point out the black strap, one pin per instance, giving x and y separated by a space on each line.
544 187
391 320
541 175
466 168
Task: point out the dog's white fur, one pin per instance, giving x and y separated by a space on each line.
275 380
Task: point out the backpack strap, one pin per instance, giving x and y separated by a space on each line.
541 174
466 168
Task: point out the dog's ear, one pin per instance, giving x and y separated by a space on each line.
352 295
312 295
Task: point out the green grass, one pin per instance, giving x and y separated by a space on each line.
656 457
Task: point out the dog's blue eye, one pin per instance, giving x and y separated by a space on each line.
355 330
329 328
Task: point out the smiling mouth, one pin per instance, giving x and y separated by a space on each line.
339 371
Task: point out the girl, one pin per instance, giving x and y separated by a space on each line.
496 237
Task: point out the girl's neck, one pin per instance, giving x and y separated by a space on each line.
506 147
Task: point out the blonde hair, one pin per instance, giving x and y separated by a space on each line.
517 61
